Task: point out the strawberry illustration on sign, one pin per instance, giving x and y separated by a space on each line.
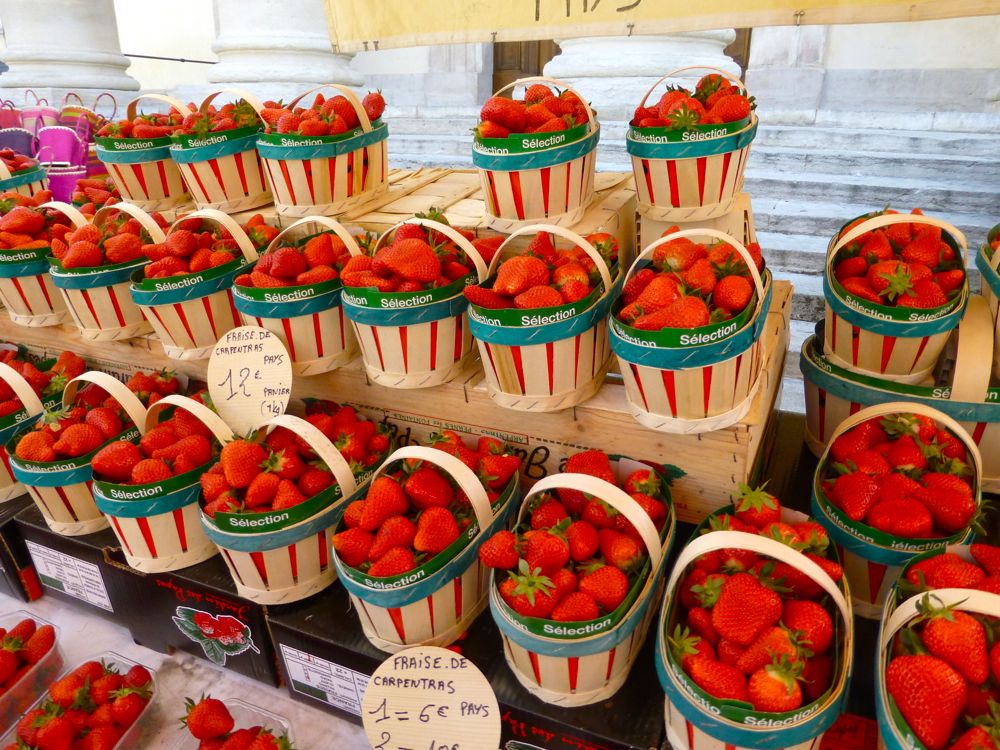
220 636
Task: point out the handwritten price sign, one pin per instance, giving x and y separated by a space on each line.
429 698
249 377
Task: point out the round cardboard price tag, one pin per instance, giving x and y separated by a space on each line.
429 698
249 378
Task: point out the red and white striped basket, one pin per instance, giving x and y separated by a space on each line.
27 183
190 318
307 184
694 179
216 175
554 373
33 407
312 326
145 175
554 185
159 525
69 509
403 349
98 298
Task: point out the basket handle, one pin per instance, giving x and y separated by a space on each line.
885 220
320 443
970 380
566 234
909 407
557 83
724 73
132 109
38 101
74 95
223 220
994 258
450 233
462 474
359 109
206 416
967 600
7 104
334 226
69 211
706 232
718 540
128 400
613 496
22 389
246 96
155 232
114 103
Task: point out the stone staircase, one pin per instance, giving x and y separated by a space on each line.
805 182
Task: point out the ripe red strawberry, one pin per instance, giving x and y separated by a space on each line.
78 440
547 514
757 507
949 499
353 546
902 517
436 530
500 551
374 104
772 642
520 273
287 495
854 494
957 638
546 551
241 461
988 556
395 562
487 298
538 297
528 592
812 623
607 585
427 487
678 255
745 607
850 268
946 570
397 531
687 312
208 718
114 461
719 680
261 490
413 259
496 470
731 108
926 294
55 733
619 549
929 694
892 486
775 687
733 294
385 499
950 280
150 470
36 446
38 644
859 287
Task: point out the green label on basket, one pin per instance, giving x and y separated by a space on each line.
897 314
64 464
294 139
371 297
527 142
286 294
175 283
696 133
682 338
213 139
132 144
513 317
17 257
114 491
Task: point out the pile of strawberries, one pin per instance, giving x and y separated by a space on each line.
415 511
119 240
92 193
88 709
901 474
577 558
545 276
45 383
144 126
950 571
196 245
753 629
16 162
21 648
210 722
262 474
315 260
23 226
540 111
944 675
689 285
902 265
229 116
175 446
714 101
91 420
417 259
332 116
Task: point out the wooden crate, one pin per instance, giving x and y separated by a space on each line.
715 462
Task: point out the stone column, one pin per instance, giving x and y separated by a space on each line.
55 46
276 48
615 72
786 72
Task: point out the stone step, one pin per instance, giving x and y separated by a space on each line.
876 191
984 145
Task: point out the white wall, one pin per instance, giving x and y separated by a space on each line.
929 45
180 28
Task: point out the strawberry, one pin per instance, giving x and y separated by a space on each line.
261 490
700 277
353 546
686 647
241 461
924 248
208 718
55 733
500 551
678 255
775 687
950 280
114 461
374 104
988 556
138 676
619 550
719 680
925 294
757 507
427 487
528 592
957 638
902 517
687 312
946 570
486 298
811 622
607 585
745 607
38 644
397 531
395 562
546 551
929 694
860 288
976 738
520 273
150 470
772 642
287 495
37 447
856 266
102 689
496 470
547 514
78 440
413 259
576 607
385 499
733 294
854 494
583 540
